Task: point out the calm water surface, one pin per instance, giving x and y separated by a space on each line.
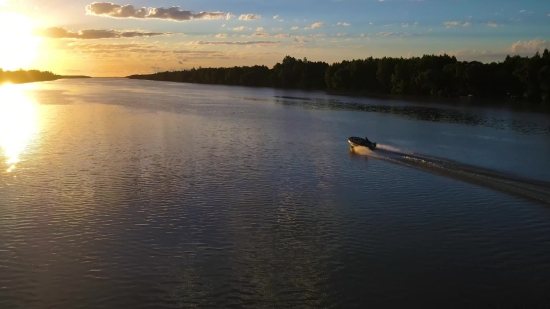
136 194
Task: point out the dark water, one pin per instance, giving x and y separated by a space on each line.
136 194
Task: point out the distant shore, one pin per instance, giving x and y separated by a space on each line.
503 103
517 81
31 76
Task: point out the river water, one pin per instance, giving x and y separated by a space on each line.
119 193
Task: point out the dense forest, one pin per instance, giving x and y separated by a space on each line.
518 78
29 76
22 76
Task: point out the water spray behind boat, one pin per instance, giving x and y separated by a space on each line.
520 186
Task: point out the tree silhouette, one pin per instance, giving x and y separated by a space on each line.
519 78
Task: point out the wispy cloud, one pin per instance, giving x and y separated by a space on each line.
261 34
221 36
315 25
300 41
492 25
90 34
523 48
235 43
450 24
532 46
343 24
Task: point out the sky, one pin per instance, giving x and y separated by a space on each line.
144 36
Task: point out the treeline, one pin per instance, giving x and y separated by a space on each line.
22 76
525 78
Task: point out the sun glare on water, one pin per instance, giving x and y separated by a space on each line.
18 123
18 47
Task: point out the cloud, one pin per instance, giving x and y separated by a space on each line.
343 24
385 34
295 28
450 24
61 33
229 16
240 28
260 29
236 43
315 25
492 25
221 36
530 47
297 38
276 17
110 49
522 48
475 55
261 34
249 17
128 11
152 51
390 34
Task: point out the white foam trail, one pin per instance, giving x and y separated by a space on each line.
392 149
535 189
388 147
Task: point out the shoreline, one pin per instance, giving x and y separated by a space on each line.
32 76
503 104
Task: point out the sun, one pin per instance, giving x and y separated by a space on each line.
18 47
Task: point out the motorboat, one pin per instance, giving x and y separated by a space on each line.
361 142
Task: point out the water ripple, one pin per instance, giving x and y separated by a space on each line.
251 205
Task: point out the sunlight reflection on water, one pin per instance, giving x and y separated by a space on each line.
18 122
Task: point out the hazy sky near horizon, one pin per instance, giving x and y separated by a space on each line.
142 36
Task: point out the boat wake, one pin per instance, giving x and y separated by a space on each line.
530 188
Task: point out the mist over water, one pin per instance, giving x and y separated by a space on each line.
136 194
